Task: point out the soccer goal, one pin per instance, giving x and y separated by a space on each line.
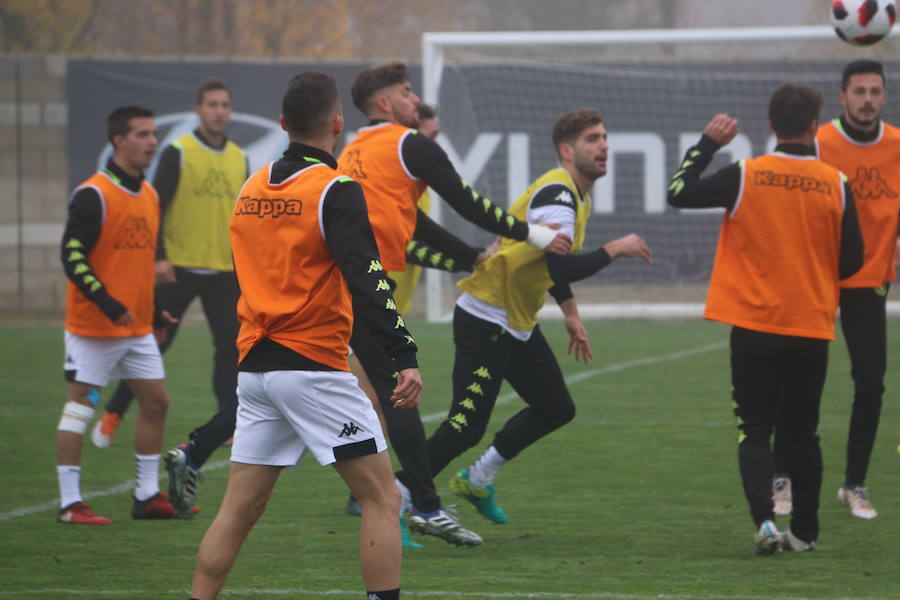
499 94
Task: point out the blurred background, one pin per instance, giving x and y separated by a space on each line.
64 64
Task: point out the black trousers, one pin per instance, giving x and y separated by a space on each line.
218 296
405 429
864 323
775 373
485 356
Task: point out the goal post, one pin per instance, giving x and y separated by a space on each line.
499 94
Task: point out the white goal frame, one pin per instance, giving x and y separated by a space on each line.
433 46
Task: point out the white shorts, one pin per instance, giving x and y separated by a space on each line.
96 360
282 414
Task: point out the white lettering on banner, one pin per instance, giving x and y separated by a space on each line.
653 149
518 166
648 145
476 159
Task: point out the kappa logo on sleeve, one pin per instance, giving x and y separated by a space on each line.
268 207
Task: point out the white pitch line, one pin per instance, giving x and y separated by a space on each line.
120 488
572 379
425 594
614 368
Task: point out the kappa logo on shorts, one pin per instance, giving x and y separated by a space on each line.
350 429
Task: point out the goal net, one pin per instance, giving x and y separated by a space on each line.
500 93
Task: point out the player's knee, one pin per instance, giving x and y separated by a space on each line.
565 412
869 389
75 417
155 404
559 413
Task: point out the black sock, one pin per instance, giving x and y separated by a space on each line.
393 594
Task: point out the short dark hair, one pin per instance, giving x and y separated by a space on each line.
374 79
119 121
309 102
857 67
208 86
426 111
792 108
569 126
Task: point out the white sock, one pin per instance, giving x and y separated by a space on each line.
69 477
405 496
147 476
482 473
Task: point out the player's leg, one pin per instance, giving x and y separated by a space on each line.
863 321
249 489
756 378
89 362
349 437
142 369
372 483
175 298
407 435
806 364
264 442
482 355
781 480
219 295
535 375
404 426
184 462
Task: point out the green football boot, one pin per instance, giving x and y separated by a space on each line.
484 499
405 538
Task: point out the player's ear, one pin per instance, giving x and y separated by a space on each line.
282 122
566 152
382 103
337 124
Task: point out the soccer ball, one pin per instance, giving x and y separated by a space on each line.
863 22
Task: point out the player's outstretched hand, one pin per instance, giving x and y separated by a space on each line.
722 129
578 339
409 389
632 246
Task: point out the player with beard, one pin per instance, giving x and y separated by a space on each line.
495 327
198 178
867 149
394 164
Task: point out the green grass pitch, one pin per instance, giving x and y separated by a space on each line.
638 498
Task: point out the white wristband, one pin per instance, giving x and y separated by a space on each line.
540 236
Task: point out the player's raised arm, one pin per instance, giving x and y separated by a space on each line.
428 161
687 189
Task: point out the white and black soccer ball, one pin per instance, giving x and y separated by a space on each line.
863 22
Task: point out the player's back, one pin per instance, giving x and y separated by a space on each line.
374 159
776 267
